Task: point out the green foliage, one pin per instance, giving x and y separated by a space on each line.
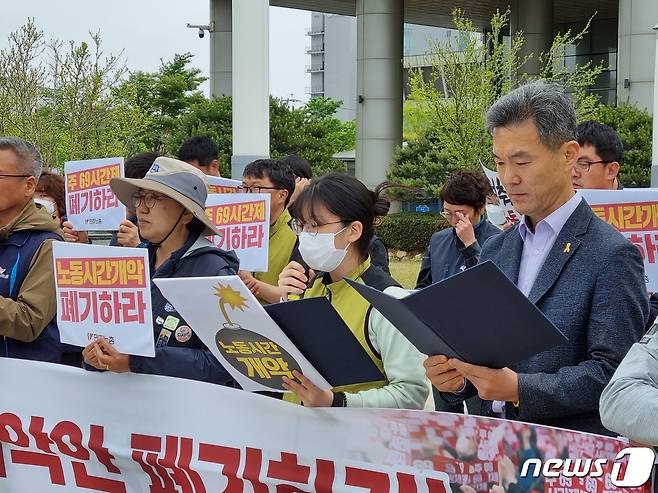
310 131
165 96
63 97
211 117
76 103
410 231
445 113
634 127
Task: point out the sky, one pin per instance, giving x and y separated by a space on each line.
150 30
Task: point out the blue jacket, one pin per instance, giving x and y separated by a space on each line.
594 292
179 352
447 256
28 328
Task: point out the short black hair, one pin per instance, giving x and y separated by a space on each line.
138 165
604 139
279 173
299 166
199 148
466 187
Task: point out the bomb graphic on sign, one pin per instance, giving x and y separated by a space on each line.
250 353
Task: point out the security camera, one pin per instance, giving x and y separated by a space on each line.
203 28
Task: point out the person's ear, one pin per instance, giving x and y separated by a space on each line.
570 151
354 231
187 217
214 166
283 195
30 186
612 170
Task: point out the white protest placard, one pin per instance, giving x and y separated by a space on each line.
90 203
217 184
501 194
234 326
243 221
104 292
634 213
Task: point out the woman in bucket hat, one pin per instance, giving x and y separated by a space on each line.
170 206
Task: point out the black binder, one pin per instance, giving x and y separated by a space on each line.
478 316
319 333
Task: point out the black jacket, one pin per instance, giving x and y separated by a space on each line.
179 352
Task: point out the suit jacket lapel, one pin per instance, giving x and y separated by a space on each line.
510 255
563 249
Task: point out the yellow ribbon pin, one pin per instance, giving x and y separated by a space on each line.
567 248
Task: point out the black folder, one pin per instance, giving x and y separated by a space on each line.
478 316
316 329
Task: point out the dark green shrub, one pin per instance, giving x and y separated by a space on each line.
634 128
410 231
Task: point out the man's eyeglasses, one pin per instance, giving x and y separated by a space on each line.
149 201
14 176
583 165
256 189
299 227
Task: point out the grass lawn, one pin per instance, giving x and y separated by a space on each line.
405 272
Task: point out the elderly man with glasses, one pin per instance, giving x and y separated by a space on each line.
27 230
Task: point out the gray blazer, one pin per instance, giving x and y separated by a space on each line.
594 292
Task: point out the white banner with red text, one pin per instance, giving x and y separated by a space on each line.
63 429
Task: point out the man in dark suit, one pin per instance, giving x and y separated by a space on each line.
580 272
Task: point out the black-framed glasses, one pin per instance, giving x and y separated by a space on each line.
583 165
148 200
299 227
14 176
256 189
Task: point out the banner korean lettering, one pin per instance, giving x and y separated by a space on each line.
90 203
243 221
104 291
78 431
634 213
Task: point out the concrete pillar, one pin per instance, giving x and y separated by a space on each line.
636 52
220 48
654 162
535 19
251 83
380 28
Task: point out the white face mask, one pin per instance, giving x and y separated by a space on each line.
319 251
46 204
496 215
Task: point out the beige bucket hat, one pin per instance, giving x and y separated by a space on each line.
177 180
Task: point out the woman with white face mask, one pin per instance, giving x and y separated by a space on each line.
334 218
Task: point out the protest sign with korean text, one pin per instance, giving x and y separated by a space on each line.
501 194
243 221
90 203
83 432
634 213
104 292
232 323
217 184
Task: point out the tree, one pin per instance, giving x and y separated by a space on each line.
446 112
165 96
211 117
634 127
62 96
